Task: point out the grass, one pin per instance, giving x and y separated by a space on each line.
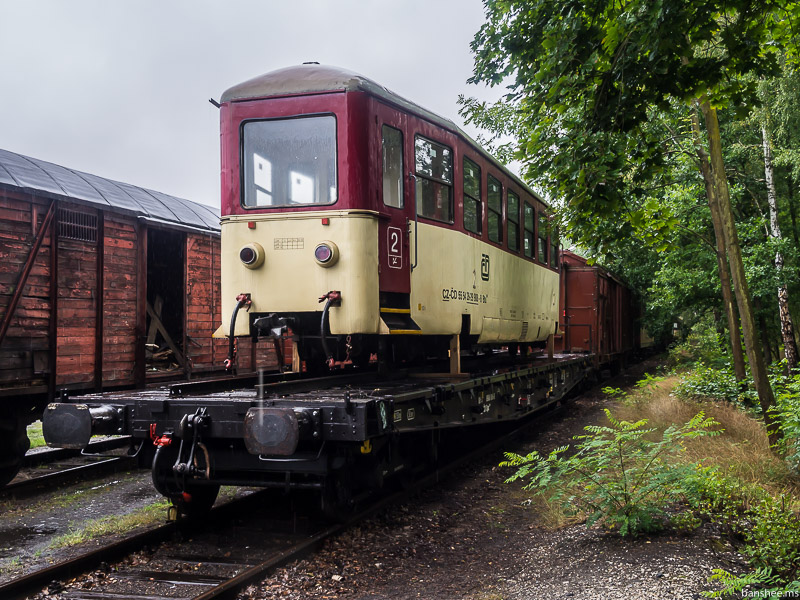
35 435
11 565
141 517
742 450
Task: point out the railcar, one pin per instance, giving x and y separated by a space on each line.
336 189
358 223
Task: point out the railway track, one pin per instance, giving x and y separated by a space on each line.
56 467
222 556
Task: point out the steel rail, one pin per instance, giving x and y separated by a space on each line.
33 582
33 459
27 487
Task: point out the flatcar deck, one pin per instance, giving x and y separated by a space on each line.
301 432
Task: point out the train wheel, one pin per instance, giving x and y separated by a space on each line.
188 497
14 443
196 500
337 496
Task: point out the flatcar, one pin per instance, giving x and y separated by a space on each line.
358 224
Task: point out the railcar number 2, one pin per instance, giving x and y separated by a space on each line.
395 248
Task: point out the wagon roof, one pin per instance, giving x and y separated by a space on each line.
36 176
310 78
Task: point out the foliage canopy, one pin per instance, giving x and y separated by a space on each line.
589 81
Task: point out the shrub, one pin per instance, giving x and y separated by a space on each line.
707 383
648 384
767 527
616 475
787 415
614 393
703 343
733 585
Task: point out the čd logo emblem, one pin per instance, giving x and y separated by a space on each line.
485 267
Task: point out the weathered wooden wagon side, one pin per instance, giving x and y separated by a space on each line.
98 281
599 313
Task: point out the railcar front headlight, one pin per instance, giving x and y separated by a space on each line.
252 255
326 254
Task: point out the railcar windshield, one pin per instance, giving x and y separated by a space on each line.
289 162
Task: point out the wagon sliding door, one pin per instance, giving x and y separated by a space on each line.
165 307
78 302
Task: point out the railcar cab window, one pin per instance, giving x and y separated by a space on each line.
472 197
528 220
434 169
543 226
513 221
494 200
289 162
392 142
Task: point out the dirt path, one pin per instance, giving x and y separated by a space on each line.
476 537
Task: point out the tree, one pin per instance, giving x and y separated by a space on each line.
787 326
585 77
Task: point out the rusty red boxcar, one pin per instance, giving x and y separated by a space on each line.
599 313
133 275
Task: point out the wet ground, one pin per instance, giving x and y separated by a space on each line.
32 529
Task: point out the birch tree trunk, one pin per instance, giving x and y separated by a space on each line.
787 326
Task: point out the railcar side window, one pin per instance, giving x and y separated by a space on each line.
392 142
553 247
494 201
543 226
472 196
513 221
434 168
289 162
528 225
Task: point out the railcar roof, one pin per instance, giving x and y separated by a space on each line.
36 176
310 78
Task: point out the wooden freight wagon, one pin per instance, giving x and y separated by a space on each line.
599 313
102 285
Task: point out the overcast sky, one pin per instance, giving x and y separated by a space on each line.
120 88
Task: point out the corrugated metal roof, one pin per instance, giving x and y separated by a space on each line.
37 176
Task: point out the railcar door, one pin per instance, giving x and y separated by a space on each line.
395 198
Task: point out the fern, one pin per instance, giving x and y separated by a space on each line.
616 476
734 584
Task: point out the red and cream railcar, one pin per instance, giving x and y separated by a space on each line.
332 183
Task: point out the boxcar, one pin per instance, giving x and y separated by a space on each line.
599 313
96 277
